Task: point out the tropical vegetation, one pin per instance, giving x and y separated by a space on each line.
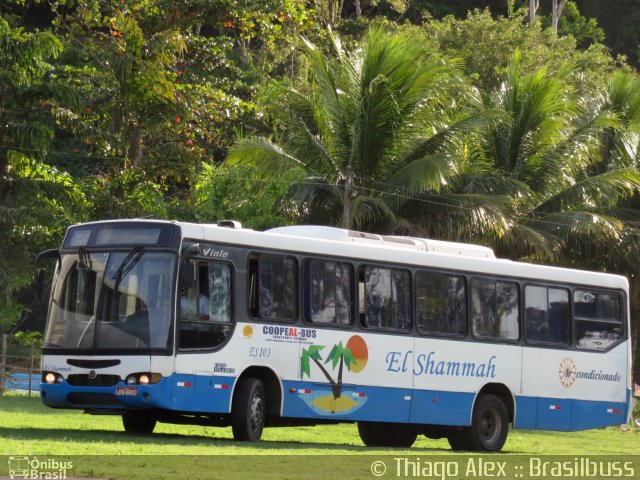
464 120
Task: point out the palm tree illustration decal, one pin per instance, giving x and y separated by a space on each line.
339 355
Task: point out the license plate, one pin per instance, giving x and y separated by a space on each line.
126 391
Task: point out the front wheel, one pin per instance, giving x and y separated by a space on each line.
139 423
249 410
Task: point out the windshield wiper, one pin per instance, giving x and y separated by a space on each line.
127 265
84 262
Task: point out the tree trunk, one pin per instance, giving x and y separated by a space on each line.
346 201
135 145
533 8
556 12
358 9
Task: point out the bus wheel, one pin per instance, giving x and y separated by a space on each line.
489 425
139 423
248 412
374 434
459 439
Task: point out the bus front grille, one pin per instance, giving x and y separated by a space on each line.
83 380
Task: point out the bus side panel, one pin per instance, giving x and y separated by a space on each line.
526 411
553 414
573 389
201 392
448 374
441 408
586 415
370 376
566 415
356 402
385 404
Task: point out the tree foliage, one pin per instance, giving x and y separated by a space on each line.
369 124
36 200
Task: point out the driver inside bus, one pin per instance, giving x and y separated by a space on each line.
190 303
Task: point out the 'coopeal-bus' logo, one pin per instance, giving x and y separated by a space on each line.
567 372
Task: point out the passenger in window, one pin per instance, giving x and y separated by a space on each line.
268 304
192 306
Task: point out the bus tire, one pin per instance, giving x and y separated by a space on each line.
249 410
139 423
489 425
458 439
398 435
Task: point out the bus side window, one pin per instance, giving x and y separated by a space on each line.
494 309
328 293
598 319
385 298
547 315
273 287
441 303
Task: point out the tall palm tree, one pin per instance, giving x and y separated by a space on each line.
546 155
370 129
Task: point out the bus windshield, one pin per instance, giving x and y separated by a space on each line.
112 300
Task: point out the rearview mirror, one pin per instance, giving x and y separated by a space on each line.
47 254
52 253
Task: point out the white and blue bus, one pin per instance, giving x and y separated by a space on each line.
219 325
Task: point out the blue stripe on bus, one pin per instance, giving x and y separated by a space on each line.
442 408
180 392
567 415
212 394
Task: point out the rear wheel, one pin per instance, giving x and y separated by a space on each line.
375 434
249 410
489 424
139 423
488 430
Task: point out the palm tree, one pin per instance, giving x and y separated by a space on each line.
578 202
546 156
370 129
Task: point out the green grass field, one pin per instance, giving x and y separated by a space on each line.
28 428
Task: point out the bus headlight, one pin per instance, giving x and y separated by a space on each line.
51 378
143 378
